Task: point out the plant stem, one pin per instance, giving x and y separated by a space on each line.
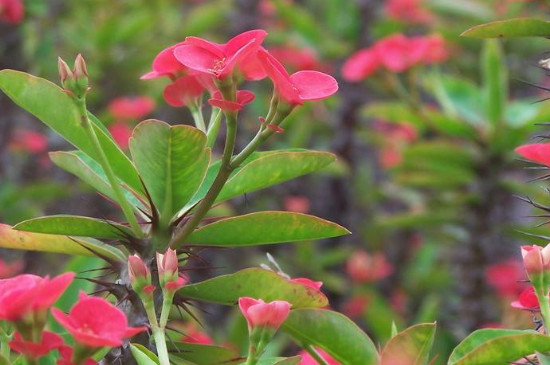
544 309
310 350
166 306
160 342
217 185
196 112
213 128
252 359
104 162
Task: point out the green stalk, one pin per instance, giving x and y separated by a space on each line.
252 358
544 308
196 112
158 331
104 162
166 306
213 128
310 350
217 185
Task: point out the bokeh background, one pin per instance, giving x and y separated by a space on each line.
426 178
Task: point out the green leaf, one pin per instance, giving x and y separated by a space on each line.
142 355
203 354
70 225
172 161
495 81
334 333
4 361
411 346
89 171
18 240
518 27
264 228
543 359
295 360
57 110
256 283
497 347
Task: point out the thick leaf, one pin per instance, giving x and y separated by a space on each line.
497 347
264 228
411 347
518 27
255 283
334 333
142 355
70 225
203 354
172 162
295 360
495 81
56 109
89 171
18 240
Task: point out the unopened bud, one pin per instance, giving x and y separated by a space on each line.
168 268
64 70
139 273
80 69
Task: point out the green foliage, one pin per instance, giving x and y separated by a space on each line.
412 346
191 353
265 228
519 27
142 355
319 327
255 283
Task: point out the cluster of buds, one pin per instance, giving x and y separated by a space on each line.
75 82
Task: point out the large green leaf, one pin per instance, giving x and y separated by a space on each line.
172 161
74 226
192 353
89 171
295 360
334 333
518 27
411 347
256 283
56 109
498 347
264 228
29 241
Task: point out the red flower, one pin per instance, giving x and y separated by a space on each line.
361 65
131 107
186 90
243 97
215 59
527 300
121 133
300 86
261 314
29 141
9 269
505 278
50 341
296 203
355 306
395 52
193 335
296 58
537 152
428 50
25 294
309 283
363 267
166 64
66 353
12 11
307 359
408 11
94 322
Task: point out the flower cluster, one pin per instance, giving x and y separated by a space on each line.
197 65
25 301
408 11
363 267
395 53
12 11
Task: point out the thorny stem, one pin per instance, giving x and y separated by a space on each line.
104 162
310 350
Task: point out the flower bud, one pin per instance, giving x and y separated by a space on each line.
139 273
261 314
64 70
80 69
168 268
74 82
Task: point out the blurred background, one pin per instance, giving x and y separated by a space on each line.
426 177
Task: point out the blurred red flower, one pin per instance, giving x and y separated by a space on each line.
296 203
9 269
193 335
29 141
408 11
121 133
296 59
12 11
131 108
307 359
527 300
94 322
25 294
506 278
355 306
364 267
536 152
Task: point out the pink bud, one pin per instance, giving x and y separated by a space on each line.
64 69
137 268
261 314
80 69
168 263
532 259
